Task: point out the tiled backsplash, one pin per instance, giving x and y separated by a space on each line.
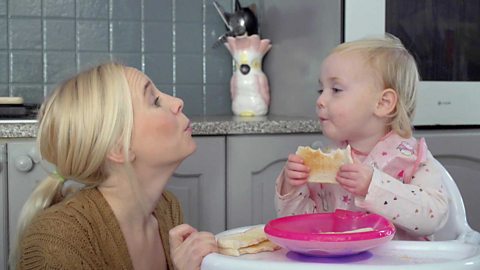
42 42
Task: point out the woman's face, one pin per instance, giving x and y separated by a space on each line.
162 134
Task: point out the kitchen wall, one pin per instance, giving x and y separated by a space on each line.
303 33
42 42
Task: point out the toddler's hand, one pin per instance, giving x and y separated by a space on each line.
355 177
295 172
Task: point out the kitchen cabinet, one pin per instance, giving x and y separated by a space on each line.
199 184
253 164
459 152
25 171
3 208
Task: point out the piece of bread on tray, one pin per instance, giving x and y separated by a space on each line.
260 247
250 241
324 166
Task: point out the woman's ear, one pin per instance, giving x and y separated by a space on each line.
387 103
118 156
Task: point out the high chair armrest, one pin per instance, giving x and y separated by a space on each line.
470 237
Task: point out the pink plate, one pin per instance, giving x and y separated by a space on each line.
311 234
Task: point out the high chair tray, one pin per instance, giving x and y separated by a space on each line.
415 255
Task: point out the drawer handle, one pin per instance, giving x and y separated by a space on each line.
23 163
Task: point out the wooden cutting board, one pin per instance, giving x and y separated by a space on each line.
11 100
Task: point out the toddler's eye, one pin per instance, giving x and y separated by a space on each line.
320 91
336 89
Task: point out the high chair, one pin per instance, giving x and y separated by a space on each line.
457 227
456 246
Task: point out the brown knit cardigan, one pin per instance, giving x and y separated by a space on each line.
83 233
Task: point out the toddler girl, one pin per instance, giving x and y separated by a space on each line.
367 100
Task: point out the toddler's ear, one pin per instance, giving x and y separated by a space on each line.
386 103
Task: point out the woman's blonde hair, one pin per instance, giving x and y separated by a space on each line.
397 70
79 124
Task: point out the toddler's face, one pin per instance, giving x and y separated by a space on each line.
349 89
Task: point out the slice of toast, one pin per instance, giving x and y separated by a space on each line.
324 166
260 247
247 238
253 240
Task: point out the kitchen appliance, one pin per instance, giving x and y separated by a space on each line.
15 108
444 37
242 21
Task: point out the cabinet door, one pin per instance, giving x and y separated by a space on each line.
3 208
253 164
199 184
459 152
25 171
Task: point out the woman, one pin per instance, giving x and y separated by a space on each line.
112 130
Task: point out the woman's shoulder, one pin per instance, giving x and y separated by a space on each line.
58 225
75 211
68 233
71 221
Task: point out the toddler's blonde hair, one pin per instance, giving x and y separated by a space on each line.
397 70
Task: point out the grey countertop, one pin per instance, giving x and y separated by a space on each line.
203 126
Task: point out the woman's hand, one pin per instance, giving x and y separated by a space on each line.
295 172
188 246
355 177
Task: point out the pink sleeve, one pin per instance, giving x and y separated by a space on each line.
420 208
422 151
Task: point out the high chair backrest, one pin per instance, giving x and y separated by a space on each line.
457 226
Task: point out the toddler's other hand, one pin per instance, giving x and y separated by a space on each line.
355 177
295 172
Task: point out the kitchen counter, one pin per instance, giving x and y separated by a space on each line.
203 126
